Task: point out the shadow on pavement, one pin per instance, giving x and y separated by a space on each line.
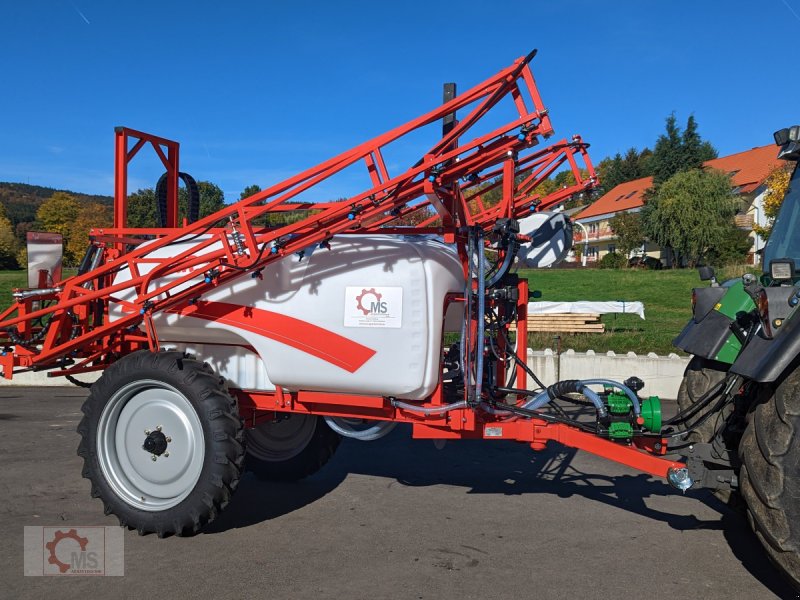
503 468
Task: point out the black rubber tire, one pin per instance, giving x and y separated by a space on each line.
770 475
223 441
319 449
700 376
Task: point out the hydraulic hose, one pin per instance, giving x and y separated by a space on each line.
481 317
377 431
430 410
566 387
637 409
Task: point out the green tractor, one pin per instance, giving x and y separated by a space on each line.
740 396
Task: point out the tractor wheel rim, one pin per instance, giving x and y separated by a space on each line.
281 440
150 480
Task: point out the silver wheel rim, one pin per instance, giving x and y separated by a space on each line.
135 476
282 440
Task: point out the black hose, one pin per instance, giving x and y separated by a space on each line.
193 205
534 414
687 413
74 381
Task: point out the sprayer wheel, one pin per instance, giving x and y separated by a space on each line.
290 447
161 442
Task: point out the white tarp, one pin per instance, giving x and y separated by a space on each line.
618 306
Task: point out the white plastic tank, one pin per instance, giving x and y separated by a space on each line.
364 317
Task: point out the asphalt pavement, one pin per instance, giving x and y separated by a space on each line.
395 518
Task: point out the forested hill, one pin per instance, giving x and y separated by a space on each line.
21 200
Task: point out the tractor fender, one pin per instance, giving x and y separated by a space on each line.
706 332
705 338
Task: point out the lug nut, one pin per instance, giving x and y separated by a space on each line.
166 454
158 427
147 432
153 457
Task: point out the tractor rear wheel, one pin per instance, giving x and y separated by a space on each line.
770 475
290 447
161 442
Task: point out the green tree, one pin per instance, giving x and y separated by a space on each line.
691 213
668 152
732 249
9 246
212 198
249 191
677 151
56 215
89 216
627 226
696 151
620 169
142 209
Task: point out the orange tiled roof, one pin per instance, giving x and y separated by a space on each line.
748 170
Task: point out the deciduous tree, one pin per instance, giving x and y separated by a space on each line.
89 216
57 213
777 183
627 226
692 212
8 242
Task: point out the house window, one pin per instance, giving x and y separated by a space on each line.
592 227
612 248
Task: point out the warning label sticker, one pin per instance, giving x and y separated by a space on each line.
373 307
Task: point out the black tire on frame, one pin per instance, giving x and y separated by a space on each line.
700 376
770 475
291 448
184 482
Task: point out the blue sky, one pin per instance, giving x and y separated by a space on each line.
257 91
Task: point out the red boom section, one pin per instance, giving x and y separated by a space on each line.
450 177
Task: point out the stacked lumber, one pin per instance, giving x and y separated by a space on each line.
565 323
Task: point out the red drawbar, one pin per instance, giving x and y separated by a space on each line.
314 340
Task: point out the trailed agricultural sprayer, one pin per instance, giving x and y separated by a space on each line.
231 342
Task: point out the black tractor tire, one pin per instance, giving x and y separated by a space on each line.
700 376
162 443
770 475
289 448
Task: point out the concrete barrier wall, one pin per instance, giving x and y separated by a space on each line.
662 374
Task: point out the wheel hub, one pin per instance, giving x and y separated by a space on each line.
155 443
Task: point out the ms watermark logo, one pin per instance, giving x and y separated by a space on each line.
74 551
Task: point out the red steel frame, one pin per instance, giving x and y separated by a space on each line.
451 178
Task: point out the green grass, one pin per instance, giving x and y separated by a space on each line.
8 281
667 304
666 296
